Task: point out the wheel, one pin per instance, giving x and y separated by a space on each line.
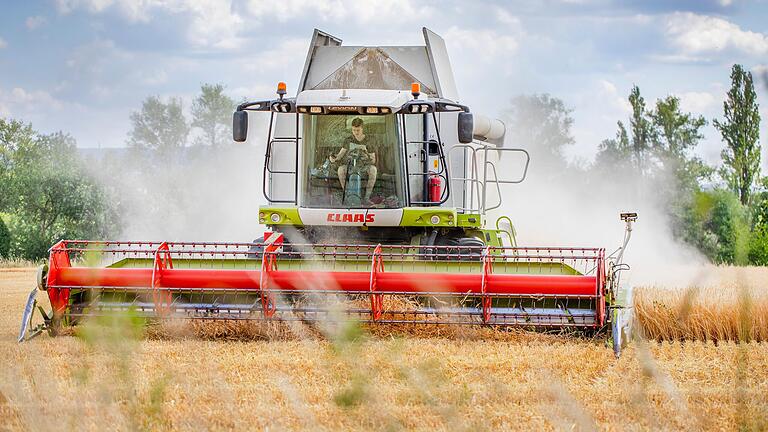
459 248
255 251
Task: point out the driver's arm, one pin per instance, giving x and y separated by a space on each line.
341 154
374 146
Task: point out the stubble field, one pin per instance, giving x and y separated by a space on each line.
107 378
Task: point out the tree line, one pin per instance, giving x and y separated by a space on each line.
720 210
48 191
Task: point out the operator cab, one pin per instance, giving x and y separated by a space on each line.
345 170
356 148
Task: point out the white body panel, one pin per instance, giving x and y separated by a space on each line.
351 217
393 99
342 76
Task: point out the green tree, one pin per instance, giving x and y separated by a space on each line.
614 154
642 132
5 239
741 132
52 194
543 124
13 133
675 135
719 226
632 148
212 113
758 246
159 127
676 132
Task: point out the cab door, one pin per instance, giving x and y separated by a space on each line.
416 156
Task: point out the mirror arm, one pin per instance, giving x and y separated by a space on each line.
255 106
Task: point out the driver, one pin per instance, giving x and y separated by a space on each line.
361 149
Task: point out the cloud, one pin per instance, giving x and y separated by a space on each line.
487 45
20 102
133 10
609 93
697 102
679 58
359 12
224 24
503 16
3 43
214 24
153 78
210 23
696 34
275 58
34 22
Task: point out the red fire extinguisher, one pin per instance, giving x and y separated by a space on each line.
434 188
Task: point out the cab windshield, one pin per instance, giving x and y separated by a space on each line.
353 161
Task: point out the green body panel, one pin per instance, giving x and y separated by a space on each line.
409 266
421 217
470 220
288 215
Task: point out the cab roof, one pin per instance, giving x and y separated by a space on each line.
394 99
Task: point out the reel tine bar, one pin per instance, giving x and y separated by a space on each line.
269 265
377 300
162 298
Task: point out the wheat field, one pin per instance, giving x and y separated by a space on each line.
109 378
730 305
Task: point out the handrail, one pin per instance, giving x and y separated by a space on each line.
268 160
472 179
498 186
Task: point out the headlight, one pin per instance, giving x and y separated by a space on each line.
434 220
275 217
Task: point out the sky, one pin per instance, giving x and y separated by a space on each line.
82 66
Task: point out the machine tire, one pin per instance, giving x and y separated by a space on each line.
255 251
456 246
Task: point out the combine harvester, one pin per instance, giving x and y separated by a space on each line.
379 183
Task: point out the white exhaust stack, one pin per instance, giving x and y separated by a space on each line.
489 130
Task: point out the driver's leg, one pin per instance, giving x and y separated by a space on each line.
342 176
372 171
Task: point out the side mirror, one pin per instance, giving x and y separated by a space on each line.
240 126
465 128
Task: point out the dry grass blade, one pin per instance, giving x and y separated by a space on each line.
724 313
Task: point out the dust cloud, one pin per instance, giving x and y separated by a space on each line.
563 205
200 194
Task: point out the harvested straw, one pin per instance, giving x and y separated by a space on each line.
229 330
372 383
